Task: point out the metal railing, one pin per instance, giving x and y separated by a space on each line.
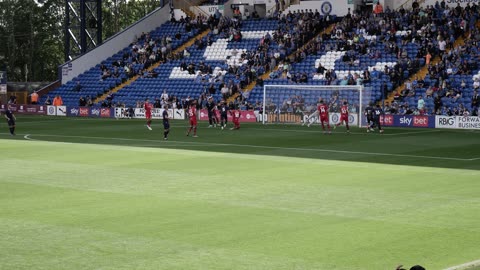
185 5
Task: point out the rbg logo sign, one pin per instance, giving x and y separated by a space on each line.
446 121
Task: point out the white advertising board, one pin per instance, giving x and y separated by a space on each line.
457 122
51 110
61 110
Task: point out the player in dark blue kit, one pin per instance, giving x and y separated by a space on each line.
10 120
377 112
223 114
212 118
166 123
369 115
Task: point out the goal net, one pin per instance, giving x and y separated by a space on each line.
298 103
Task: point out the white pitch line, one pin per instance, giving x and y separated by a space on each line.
258 146
40 121
341 132
464 266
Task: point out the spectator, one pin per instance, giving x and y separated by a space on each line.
442 46
77 87
476 83
437 102
57 101
428 58
12 99
48 101
89 101
429 92
475 102
34 98
378 9
82 102
421 105
164 96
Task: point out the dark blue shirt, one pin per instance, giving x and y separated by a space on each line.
9 114
165 116
369 111
377 112
223 109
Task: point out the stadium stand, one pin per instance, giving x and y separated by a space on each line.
383 52
150 48
228 59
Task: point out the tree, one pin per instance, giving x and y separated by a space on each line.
34 44
119 14
33 38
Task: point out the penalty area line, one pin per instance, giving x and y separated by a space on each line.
28 137
464 266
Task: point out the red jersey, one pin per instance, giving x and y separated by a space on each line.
236 115
322 109
148 108
192 112
344 110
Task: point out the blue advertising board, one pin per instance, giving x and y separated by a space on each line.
414 121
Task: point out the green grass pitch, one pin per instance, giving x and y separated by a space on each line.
110 194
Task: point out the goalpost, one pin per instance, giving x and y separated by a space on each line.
292 103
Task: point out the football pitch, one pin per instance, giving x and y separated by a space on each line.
110 194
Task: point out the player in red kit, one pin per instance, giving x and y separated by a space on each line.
343 117
192 115
323 112
235 119
148 113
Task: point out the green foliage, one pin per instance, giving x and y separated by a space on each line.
119 14
34 40
32 33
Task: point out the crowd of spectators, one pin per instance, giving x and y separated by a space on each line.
441 85
294 30
433 29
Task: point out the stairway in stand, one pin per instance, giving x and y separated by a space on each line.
134 78
266 75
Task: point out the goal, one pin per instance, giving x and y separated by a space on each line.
294 103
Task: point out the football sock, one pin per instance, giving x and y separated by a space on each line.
195 131
348 127
12 130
